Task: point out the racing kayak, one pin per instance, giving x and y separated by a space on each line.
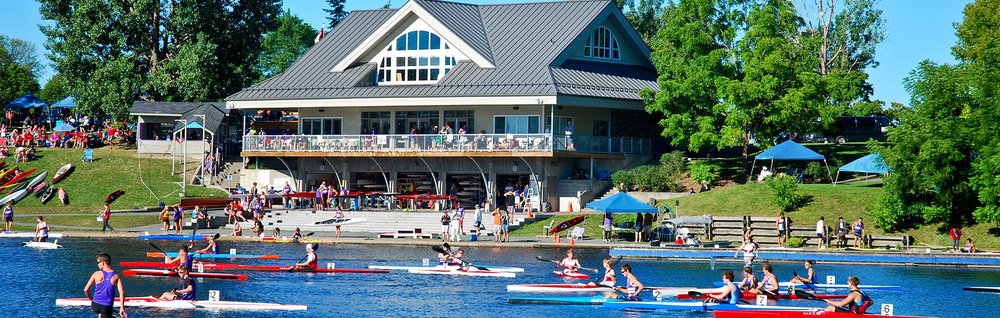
175 237
462 272
982 289
42 245
697 306
288 240
556 288
782 314
748 295
184 304
829 286
242 267
593 301
213 256
167 272
492 268
576 275
27 235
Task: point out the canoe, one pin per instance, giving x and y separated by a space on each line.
782 314
751 296
7 174
576 275
62 172
42 245
113 196
982 289
556 288
39 189
27 234
190 203
340 221
49 193
213 256
174 237
14 197
786 285
184 304
503 269
62 196
258 268
461 272
17 179
697 306
167 272
302 195
593 301
38 179
566 224
289 240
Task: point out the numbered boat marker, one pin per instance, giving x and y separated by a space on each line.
761 300
213 295
831 279
331 265
887 310
232 251
201 267
426 262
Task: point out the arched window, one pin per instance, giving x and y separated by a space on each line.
415 57
602 44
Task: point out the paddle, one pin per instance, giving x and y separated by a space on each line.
809 296
293 267
444 250
594 270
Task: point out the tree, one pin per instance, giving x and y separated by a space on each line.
113 53
16 75
56 89
336 12
24 53
645 16
284 45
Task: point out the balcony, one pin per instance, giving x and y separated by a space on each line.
440 145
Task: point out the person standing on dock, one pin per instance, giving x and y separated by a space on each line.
106 216
8 216
497 222
859 232
956 235
820 233
782 226
178 216
841 233
105 281
445 226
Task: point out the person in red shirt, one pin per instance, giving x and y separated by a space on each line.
956 236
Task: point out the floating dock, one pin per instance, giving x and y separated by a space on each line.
891 257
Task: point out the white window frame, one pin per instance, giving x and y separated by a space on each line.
320 119
540 128
446 55
602 41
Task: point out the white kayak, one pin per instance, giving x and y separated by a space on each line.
502 269
470 272
671 292
184 304
556 288
344 221
27 235
42 245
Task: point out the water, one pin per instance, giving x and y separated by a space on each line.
35 278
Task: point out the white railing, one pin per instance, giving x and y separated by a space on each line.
446 143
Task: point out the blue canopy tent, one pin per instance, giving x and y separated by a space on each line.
790 151
64 127
621 202
68 102
27 101
870 164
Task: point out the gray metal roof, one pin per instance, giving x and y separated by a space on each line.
214 113
522 40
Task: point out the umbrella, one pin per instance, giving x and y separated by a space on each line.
64 127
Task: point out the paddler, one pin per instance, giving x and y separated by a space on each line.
770 284
8 216
444 257
311 259
569 264
105 281
456 259
609 274
749 280
730 294
41 230
810 278
856 301
183 259
211 248
632 285
188 292
297 235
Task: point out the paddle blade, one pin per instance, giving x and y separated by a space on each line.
446 246
544 259
805 295
439 249
315 247
310 234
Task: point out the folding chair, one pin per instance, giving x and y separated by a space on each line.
88 155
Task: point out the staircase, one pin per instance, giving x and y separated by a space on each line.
229 175
375 221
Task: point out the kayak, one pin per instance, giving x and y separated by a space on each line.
184 304
213 256
556 288
242 267
596 300
749 295
175 237
829 286
288 240
462 272
782 314
42 245
167 272
668 292
576 275
27 234
345 221
503 269
982 289
697 306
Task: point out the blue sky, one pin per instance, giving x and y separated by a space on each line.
917 30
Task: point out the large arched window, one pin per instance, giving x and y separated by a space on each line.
415 57
602 44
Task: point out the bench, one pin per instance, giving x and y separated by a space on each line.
414 233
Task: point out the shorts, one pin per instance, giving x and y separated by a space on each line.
104 311
444 229
8 218
505 228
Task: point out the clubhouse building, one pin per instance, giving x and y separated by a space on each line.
450 98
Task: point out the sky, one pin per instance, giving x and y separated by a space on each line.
917 30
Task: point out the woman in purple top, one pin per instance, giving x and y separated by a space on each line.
105 281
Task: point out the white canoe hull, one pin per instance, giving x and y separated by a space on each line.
556 288
42 245
461 273
501 269
27 235
152 302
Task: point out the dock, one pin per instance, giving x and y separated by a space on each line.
912 257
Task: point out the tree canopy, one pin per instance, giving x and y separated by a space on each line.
19 69
336 12
284 45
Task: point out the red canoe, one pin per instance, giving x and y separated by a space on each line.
566 224
785 314
167 272
752 296
18 178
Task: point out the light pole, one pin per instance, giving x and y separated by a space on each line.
184 157
203 135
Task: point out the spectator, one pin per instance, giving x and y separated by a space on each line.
841 232
969 247
647 225
497 224
782 226
607 227
820 232
505 226
445 226
237 230
638 227
106 216
956 235
859 232
258 228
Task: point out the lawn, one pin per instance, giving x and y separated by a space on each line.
592 225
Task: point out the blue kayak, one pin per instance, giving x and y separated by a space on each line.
594 301
827 286
174 237
696 306
213 256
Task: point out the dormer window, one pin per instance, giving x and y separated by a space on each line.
602 44
415 57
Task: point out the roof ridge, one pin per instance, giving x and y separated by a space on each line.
536 2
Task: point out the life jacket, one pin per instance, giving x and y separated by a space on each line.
866 302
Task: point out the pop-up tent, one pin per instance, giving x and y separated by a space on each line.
621 202
870 164
789 151
68 102
27 101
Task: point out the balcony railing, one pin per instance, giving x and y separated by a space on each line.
511 143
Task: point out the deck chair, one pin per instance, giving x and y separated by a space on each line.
576 233
88 155
548 227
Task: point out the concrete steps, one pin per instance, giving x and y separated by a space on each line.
375 221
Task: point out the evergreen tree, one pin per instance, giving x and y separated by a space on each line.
336 12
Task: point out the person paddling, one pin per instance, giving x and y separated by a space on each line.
105 281
297 236
569 264
856 301
41 230
211 248
749 280
609 274
182 259
311 260
189 290
730 293
632 285
444 256
770 284
810 278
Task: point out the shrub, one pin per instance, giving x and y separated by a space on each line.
647 178
784 192
817 173
703 172
795 241
674 162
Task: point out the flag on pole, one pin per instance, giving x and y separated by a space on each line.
319 36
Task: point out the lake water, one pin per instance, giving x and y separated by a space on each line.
35 278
